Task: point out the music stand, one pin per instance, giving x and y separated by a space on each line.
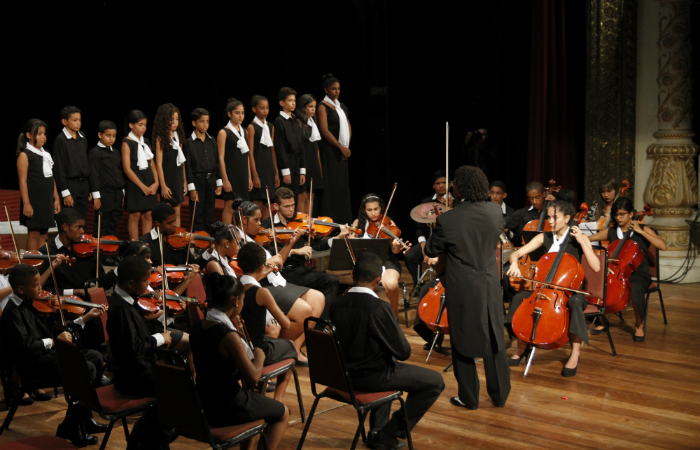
340 258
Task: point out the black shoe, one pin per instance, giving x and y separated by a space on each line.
438 346
498 405
76 435
94 427
638 338
457 402
596 332
26 401
302 363
566 372
376 440
271 386
516 361
41 397
105 381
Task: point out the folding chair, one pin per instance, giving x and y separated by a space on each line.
273 370
655 286
106 401
179 406
326 367
596 283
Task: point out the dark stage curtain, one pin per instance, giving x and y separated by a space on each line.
551 147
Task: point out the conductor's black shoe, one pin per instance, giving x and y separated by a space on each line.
457 402
94 427
516 361
378 441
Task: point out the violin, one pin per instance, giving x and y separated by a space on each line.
87 246
542 224
30 257
322 226
181 239
176 275
151 304
625 259
265 235
233 264
48 304
382 230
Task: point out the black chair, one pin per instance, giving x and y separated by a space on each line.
179 406
109 403
326 367
655 286
273 370
596 283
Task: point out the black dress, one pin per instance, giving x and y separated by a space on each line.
313 163
335 201
135 200
264 164
218 383
236 164
40 190
173 175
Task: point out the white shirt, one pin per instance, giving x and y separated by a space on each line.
276 279
557 242
241 144
69 136
47 161
214 315
4 283
620 234
160 340
503 207
362 290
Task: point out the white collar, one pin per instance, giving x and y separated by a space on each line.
247 279
362 290
194 135
15 298
46 160
435 196
58 242
68 135
100 144
531 208
123 294
285 115
277 218
620 234
154 233
503 207
224 263
260 122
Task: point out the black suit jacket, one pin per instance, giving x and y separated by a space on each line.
469 235
22 333
70 276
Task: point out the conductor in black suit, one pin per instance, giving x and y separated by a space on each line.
469 234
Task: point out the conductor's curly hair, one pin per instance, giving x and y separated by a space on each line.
162 125
472 184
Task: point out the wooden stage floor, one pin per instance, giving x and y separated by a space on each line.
646 397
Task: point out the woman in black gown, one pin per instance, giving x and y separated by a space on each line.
222 358
335 128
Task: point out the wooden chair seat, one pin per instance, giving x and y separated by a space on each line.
38 443
224 434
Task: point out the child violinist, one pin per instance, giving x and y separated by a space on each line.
559 215
622 214
232 142
164 218
141 175
371 209
40 199
262 158
169 137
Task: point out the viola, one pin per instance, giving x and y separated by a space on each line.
176 275
387 231
322 226
30 257
48 304
625 259
181 239
151 304
542 224
87 246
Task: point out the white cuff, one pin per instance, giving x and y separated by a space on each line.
96 194
68 292
65 193
302 171
79 321
219 182
330 242
190 187
123 191
285 172
421 239
160 340
48 343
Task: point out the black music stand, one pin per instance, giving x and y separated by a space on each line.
340 258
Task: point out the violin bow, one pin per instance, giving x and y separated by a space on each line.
244 331
99 239
386 211
12 231
187 258
240 219
311 201
352 253
164 284
272 221
447 166
55 285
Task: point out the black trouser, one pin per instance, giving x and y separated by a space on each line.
414 262
205 184
422 385
419 326
327 284
496 370
47 367
639 282
294 186
111 209
80 190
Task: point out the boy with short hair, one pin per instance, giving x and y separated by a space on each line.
289 143
107 179
164 217
29 345
203 170
498 193
71 169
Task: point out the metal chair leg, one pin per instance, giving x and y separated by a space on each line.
105 438
308 424
126 427
663 310
405 421
301 403
359 419
8 418
607 327
360 426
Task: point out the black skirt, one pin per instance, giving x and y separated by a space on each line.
286 296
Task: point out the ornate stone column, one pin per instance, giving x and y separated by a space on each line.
672 187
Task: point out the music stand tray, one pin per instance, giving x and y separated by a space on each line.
340 258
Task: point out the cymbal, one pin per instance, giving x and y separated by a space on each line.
424 212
